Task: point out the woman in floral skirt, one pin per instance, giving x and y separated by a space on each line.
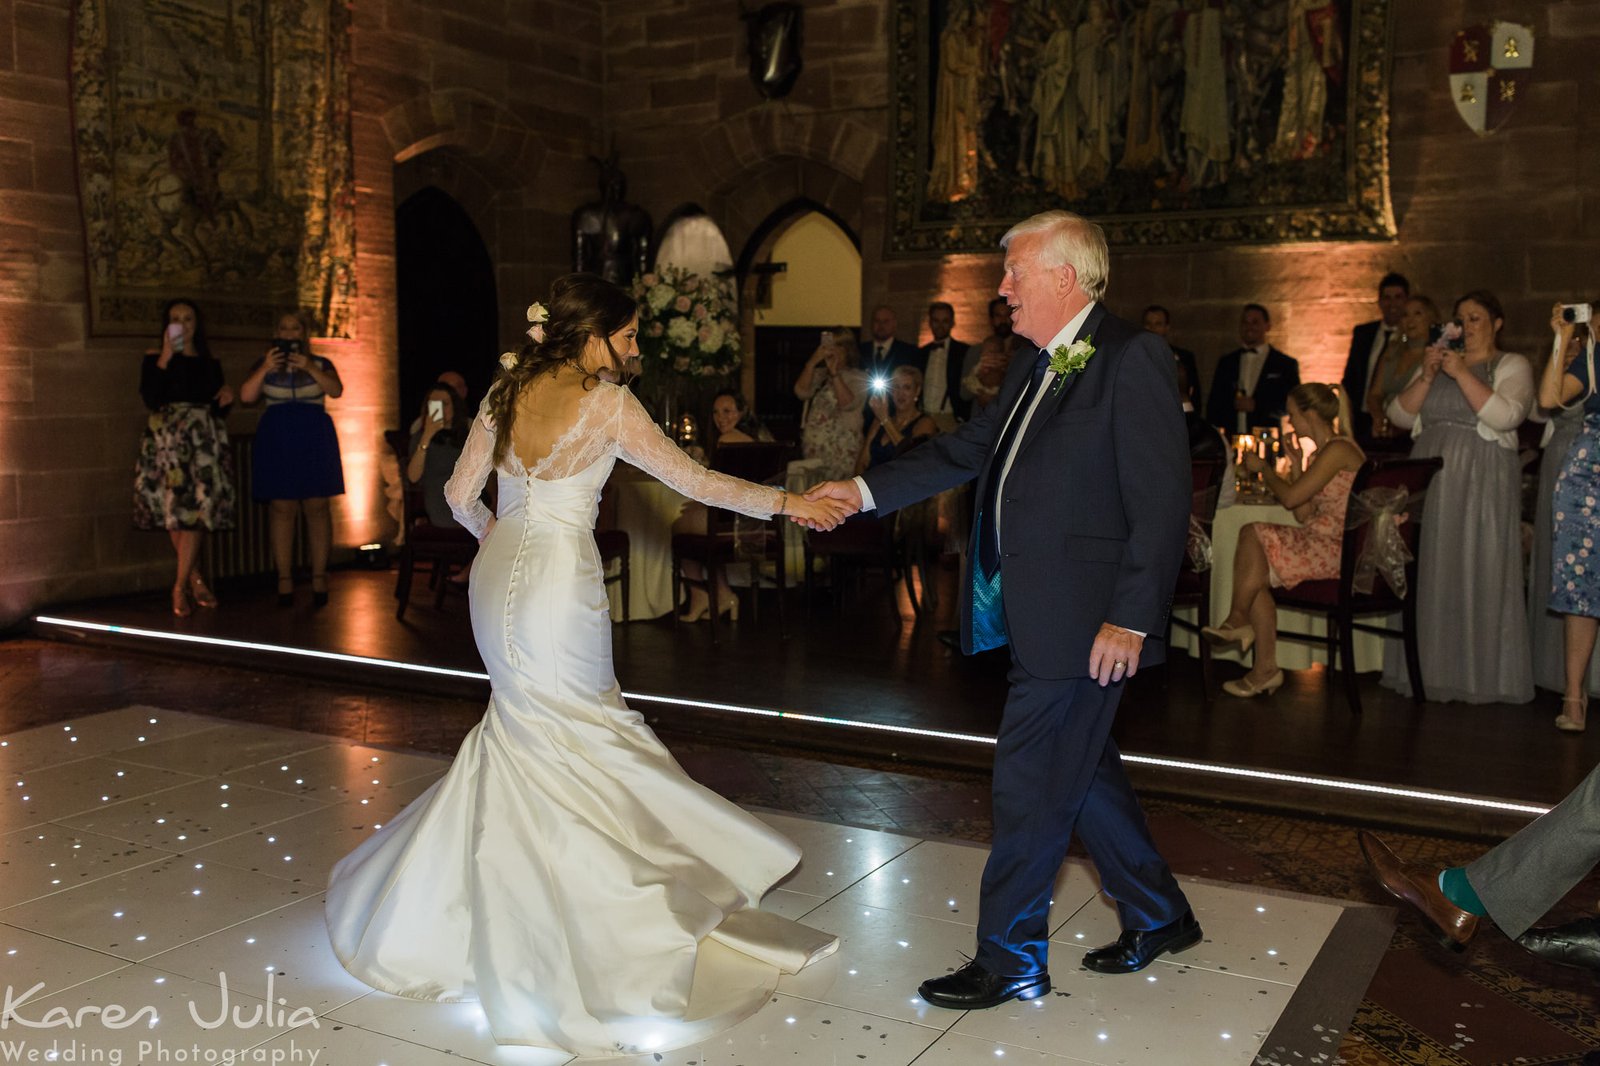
183 481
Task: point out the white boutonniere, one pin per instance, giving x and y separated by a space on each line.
1071 358
538 315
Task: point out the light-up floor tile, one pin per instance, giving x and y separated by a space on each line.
238 746
29 958
802 1032
337 771
835 856
1163 1014
883 956
952 1049
458 1028
291 943
303 848
97 734
192 815
1257 934
57 792
791 905
150 909
341 1044
44 859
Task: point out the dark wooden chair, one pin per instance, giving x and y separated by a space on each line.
1338 599
441 547
719 545
864 541
1194 586
613 545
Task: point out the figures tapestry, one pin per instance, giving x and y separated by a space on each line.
214 160
1167 121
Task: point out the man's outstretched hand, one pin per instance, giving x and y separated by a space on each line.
843 496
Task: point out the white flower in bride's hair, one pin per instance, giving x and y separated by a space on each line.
508 360
536 333
538 314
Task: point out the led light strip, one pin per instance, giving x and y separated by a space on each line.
1332 784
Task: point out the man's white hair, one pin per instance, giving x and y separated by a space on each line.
1070 240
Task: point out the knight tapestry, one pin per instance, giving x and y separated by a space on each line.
214 161
1167 121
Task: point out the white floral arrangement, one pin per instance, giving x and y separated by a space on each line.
687 324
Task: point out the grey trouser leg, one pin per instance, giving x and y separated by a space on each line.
1521 879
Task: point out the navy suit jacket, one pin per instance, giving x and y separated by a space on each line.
1096 507
953 360
900 353
1279 376
1356 365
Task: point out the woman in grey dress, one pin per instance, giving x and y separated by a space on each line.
1465 405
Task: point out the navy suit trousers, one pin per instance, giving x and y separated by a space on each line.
1058 770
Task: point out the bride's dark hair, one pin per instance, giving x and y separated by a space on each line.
581 306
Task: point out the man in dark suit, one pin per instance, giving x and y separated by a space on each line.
884 351
1158 320
942 360
1205 440
1081 518
1252 383
1367 343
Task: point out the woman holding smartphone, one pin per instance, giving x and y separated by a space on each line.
183 481
834 390
435 447
295 465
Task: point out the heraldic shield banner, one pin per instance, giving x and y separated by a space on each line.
1490 67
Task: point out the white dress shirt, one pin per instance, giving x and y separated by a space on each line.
1380 341
1251 360
934 379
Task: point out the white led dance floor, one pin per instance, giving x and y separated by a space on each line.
149 858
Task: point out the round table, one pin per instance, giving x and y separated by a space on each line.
1292 655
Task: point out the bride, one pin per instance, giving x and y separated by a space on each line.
565 872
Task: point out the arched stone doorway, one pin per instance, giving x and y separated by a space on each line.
446 307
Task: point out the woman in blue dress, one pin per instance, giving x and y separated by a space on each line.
1569 379
295 464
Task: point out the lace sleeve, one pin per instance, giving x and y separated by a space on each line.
641 442
461 492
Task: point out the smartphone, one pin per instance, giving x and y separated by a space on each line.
436 410
175 331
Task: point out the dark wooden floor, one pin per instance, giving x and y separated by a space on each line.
867 659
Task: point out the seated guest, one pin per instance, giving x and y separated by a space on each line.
1464 406
1252 382
435 446
448 379
1158 320
899 423
1277 556
834 391
1396 364
943 358
733 423
985 365
1370 340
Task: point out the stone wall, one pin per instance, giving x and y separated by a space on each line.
500 102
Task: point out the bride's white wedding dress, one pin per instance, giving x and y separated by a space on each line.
565 871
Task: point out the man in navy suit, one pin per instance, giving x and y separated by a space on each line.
1252 383
1081 518
1367 342
884 351
943 358
1158 320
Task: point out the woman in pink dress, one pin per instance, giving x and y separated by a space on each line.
1277 556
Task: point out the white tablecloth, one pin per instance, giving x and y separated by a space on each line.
645 510
1292 655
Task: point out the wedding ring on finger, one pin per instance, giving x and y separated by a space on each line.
1118 664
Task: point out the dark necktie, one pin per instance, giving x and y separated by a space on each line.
988 532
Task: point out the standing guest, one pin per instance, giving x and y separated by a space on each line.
1272 556
986 363
898 423
835 393
183 481
1158 320
1464 406
943 358
1205 440
885 351
1370 340
1083 512
1252 383
295 464
1568 380
1397 364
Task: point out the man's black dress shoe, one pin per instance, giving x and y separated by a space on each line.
1574 944
1137 948
974 988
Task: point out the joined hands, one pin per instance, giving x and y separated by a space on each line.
826 504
